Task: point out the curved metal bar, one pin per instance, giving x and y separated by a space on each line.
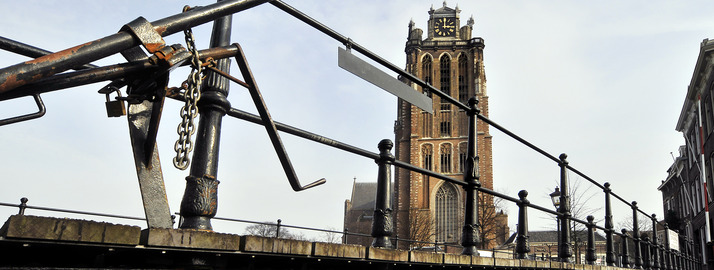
267 121
41 112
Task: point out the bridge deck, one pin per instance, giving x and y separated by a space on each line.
31 241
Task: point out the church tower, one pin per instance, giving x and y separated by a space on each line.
429 209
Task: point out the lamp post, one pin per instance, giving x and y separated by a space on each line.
555 197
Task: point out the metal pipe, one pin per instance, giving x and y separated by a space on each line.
106 73
29 50
30 71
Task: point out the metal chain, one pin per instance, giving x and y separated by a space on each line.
192 94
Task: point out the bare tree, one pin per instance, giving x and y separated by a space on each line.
421 227
330 237
579 196
269 229
644 224
492 219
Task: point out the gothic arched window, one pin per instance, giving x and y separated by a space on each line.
427 153
426 71
462 156
445 156
445 74
463 79
446 213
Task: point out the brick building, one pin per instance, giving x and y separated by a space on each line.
428 209
452 61
689 179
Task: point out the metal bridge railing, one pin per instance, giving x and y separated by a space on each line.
647 252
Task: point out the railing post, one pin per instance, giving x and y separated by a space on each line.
667 253
522 247
200 199
625 250
470 233
396 241
590 253
609 244
655 244
382 225
565 250
22 206
344 236
277 228
636 237
646 262
663 256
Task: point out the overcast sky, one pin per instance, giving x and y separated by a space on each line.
601 81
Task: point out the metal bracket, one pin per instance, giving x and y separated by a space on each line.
143 30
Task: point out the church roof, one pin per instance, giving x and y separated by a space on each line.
364 195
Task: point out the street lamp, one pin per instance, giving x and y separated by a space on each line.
555 197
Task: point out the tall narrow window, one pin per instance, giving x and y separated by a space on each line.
427 71
445 75
463 79
445 156
427 152
462 157
463 124
445 125
446 213
427 124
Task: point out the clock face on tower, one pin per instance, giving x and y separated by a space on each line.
445 27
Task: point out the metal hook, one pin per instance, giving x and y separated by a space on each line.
269 124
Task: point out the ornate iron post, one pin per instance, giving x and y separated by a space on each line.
200 199
590 253
565 250
646 261
625 250
522 247
609 244
655 244
470 233
665 250
662 256
636 237
382 226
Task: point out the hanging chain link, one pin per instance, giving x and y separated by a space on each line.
192 94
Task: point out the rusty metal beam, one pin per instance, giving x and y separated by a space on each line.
30 71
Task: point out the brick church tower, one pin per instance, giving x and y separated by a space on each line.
429 209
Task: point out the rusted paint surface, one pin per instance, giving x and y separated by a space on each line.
58 55
160 30
154 47
38 68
